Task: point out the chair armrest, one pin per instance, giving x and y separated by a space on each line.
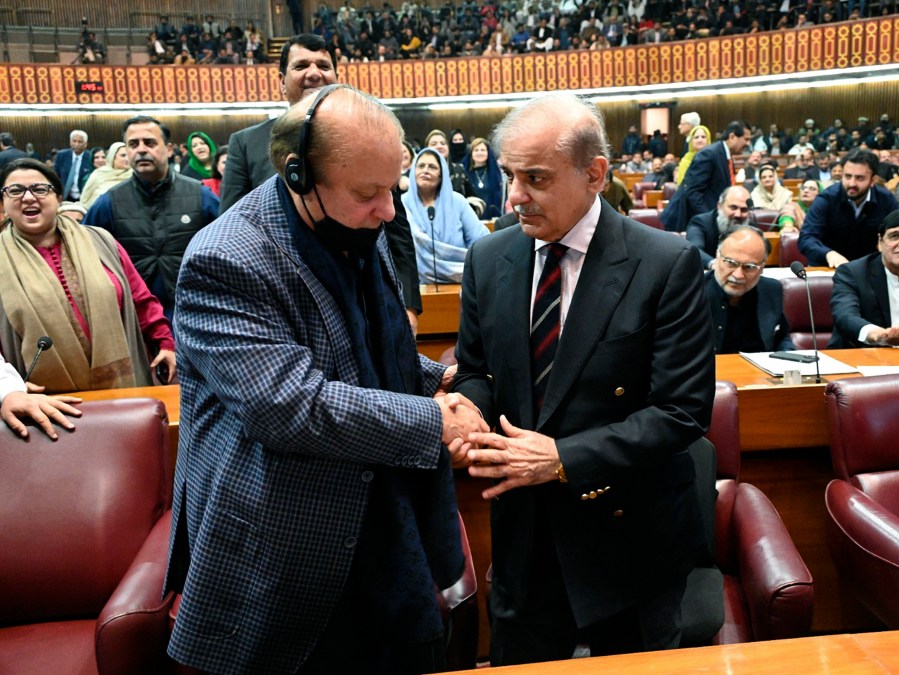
863 538
775 581
132 630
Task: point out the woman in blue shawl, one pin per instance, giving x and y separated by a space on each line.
484 174
443 224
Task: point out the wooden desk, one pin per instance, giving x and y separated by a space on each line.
864 653
438 324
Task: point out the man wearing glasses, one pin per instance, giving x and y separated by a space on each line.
747 308
865 299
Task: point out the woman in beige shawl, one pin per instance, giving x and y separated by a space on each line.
117 169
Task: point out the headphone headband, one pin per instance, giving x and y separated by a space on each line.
298 173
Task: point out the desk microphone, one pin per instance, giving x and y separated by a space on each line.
431 213
43 343
798 269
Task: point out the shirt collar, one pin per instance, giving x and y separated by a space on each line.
578 237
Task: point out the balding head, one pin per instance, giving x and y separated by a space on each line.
346 124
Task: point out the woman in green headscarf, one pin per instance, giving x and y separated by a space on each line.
200 156
697 139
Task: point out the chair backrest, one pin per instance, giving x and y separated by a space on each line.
76 511
864 445
789 249
647 217
724 433
764 219
668 190
796 309
642 187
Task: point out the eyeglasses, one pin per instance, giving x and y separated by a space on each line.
17 191
748 268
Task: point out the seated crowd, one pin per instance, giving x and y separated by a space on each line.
206 43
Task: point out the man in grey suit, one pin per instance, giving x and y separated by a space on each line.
865 297
305 67
314 505
585 339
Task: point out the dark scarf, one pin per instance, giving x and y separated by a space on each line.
410 539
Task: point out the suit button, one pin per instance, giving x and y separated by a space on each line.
619 391
618 513
349 542
592 494
367 476
585 497
608 487
600 491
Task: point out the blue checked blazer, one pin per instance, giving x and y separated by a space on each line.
278 447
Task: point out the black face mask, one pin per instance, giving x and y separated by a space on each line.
457 151
337 237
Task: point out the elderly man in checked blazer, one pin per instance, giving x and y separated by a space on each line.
314 510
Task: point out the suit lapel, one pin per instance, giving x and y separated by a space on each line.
605 276
514 274
877 281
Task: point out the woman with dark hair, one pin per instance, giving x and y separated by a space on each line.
76 284
218 171
98 157
200 155
442 223
484 174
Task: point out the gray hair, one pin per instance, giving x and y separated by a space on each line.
580 143
691 118
78 132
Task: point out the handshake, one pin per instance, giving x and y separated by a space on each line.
460 418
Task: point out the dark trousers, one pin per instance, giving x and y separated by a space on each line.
547 630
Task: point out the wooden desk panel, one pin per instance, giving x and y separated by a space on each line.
868 653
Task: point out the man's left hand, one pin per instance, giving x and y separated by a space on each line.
168 357
520 458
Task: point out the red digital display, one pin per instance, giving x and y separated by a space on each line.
88 87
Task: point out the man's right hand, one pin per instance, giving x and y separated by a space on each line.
883 336
460 418
834 259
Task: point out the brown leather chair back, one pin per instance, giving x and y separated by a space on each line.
647 217
789 249
864 444
77 511
796 310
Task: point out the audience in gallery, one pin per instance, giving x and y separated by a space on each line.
442 223
76 284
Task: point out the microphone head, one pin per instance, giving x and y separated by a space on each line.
798 269
431 212
44 342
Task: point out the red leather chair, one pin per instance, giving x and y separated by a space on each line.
789 249
767 587
84 534
863 503
639 189
668 190
647 217
796 309
764 219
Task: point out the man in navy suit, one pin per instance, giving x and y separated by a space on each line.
74 166
704 231
747 308
710 172
314 509
594 510
865 291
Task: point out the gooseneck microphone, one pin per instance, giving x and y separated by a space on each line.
798 269
43 343
432 212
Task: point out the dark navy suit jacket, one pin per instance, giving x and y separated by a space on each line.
63 165
706 179
859 297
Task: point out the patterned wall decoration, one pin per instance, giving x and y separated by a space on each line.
836 46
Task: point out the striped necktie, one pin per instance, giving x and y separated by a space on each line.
547 323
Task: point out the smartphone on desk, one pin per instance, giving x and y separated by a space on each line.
793 356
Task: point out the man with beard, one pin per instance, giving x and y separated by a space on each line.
747 308
704 230
314 500
842 223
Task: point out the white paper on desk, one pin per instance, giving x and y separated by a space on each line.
786 273
827 364
871 371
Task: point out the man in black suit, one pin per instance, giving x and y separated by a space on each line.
595 526
305 67
862 294
747 308
8 149
705 230
711 171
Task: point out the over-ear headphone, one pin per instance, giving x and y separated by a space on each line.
298 173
